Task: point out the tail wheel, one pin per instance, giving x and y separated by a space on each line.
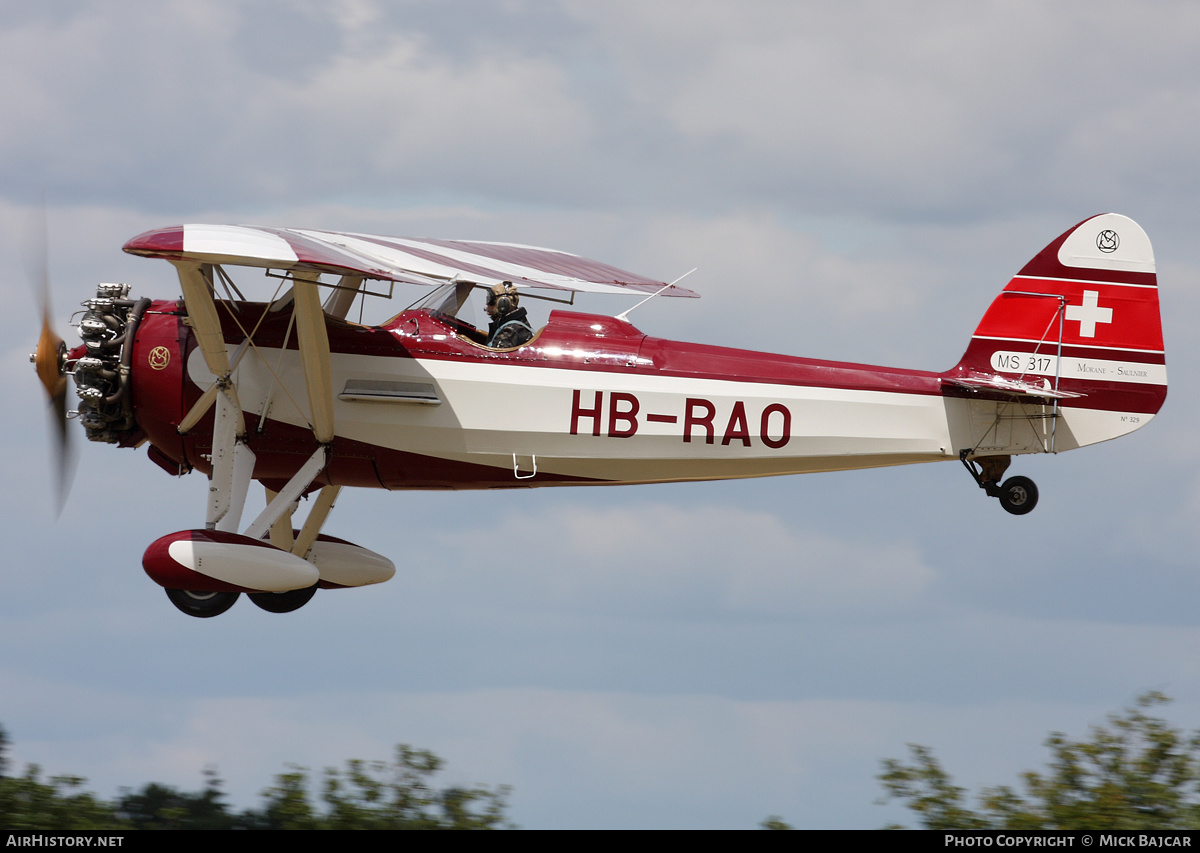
202 605
283 602
1018 495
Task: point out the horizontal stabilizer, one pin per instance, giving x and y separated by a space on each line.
1011 386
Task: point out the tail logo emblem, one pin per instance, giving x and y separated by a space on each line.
1089 313
1107 241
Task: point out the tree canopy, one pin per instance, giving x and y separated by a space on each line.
396 794
383 795
1135 772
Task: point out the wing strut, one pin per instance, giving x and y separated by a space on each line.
314 354
232 458
201 406
342 299
286 498
232 467
316 518
281 527
196 280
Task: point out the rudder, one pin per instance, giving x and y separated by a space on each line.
1080 319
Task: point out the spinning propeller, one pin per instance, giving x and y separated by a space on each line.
50 362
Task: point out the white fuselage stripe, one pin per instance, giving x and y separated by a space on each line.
1054 343
1078 368
618 426
1082 281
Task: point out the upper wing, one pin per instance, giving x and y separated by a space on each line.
403 259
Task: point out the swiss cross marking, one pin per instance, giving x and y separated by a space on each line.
1089 314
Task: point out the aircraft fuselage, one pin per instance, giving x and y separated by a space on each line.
590 400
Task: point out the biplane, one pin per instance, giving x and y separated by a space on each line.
294 394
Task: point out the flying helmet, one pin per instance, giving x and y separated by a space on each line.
503 297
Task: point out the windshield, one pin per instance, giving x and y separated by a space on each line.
447 300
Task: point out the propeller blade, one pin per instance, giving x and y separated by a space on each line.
49 360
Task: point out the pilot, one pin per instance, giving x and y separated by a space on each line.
510 325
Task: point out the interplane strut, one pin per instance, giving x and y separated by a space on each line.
232 459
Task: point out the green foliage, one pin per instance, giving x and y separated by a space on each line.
383 795
928 791
1136 772
288 806
367 795
158 806
28 802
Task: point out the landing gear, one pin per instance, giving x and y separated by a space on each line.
206 604
202 605
1018 495
283 602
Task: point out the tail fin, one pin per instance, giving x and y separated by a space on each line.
1080 321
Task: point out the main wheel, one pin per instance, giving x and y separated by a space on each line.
1018 495
202 605
283 602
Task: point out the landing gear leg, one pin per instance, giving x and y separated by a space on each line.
1018 495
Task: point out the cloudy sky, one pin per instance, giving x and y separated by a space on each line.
853 181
